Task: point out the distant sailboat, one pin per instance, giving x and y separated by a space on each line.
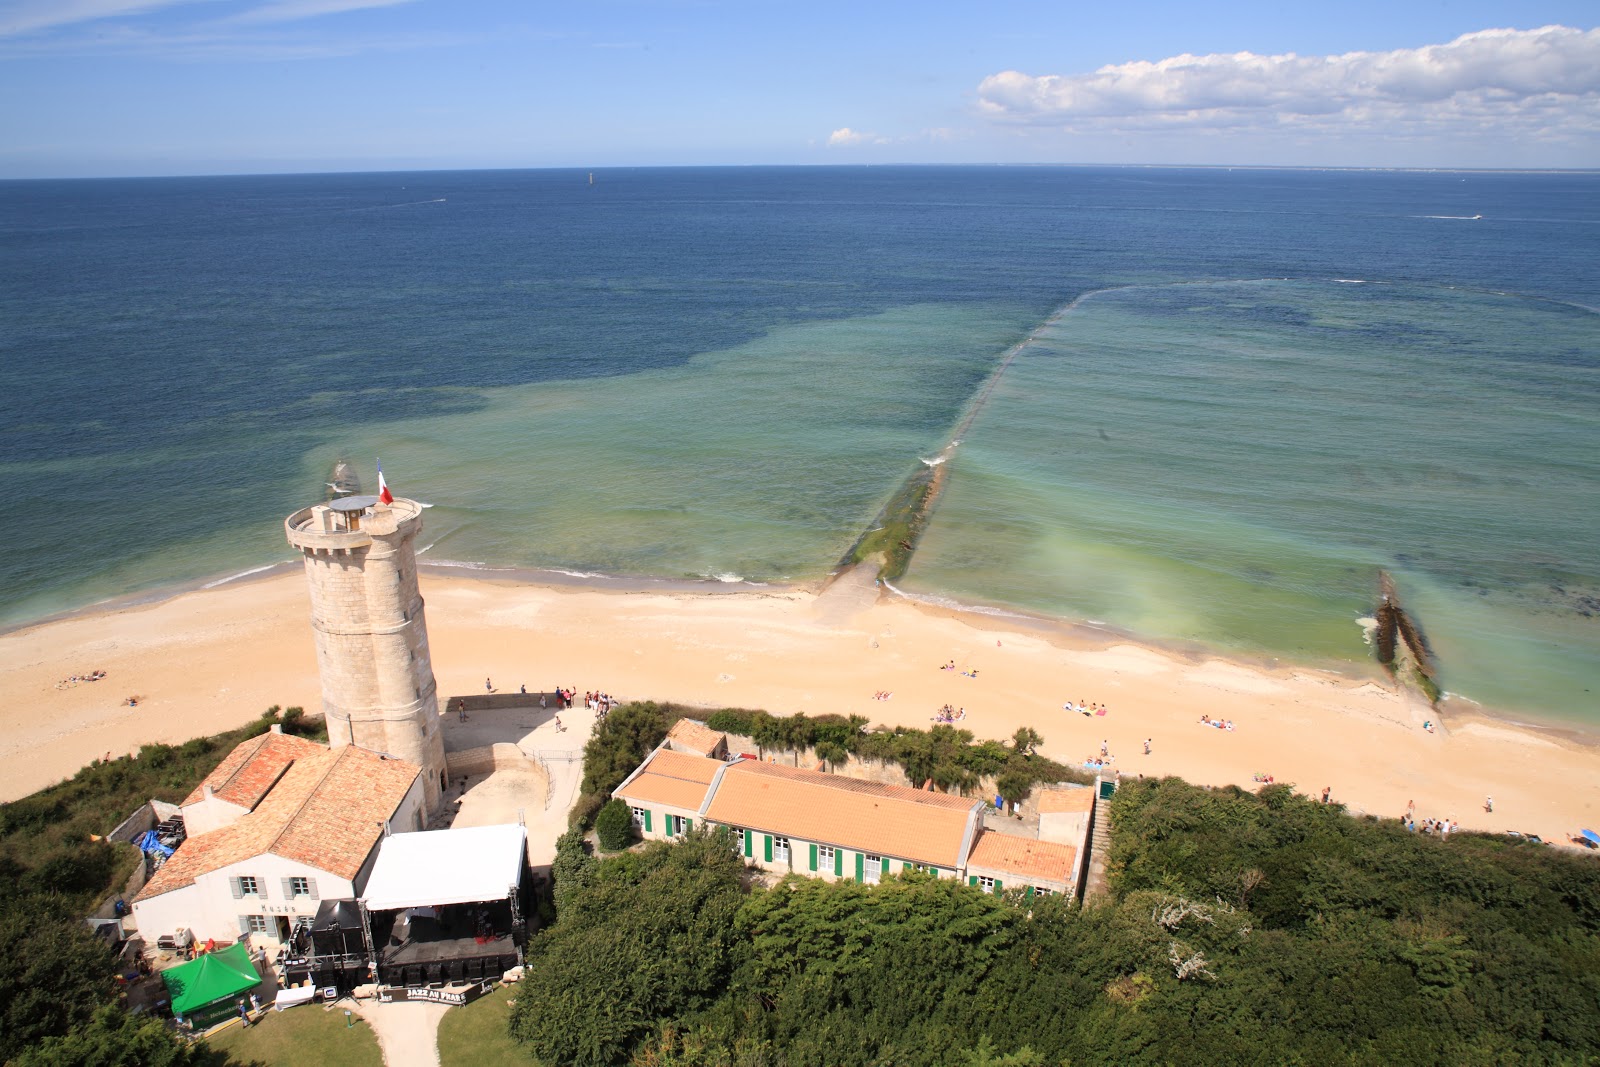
591 177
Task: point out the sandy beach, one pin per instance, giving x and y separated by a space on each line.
212 659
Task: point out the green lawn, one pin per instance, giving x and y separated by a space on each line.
306 1036
478 1035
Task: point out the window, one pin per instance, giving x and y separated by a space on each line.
986 884
740 835
780 849
246 885
256 924
828 857
1041 891
299 887
638 817
677 824
874 867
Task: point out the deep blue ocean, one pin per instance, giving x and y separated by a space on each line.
1236 395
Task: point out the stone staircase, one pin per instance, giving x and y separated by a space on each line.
1099 843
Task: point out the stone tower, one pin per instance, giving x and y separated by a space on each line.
378 690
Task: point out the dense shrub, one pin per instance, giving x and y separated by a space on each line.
1239 929
945 755
614 826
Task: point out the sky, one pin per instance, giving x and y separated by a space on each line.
158 87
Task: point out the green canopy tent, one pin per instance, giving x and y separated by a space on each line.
207 989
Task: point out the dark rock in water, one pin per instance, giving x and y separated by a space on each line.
1398 638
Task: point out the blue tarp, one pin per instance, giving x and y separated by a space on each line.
1592 837
151 843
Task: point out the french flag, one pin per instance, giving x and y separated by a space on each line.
383 487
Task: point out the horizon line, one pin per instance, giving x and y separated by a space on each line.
613 168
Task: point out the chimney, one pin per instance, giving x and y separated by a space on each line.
277 727
207 791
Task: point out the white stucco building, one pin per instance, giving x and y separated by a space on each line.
280 824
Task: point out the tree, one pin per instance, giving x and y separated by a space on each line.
1025 740
614 826
572 870
113 1038
833 752
54 973
651 941
1013 784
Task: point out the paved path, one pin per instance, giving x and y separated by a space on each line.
407 1032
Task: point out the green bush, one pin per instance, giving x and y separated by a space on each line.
1238 929
614 826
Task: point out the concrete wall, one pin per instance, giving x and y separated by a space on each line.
209 908
759 845
488 759
1007 880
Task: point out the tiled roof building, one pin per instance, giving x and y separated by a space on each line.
697 739
311 828
787 819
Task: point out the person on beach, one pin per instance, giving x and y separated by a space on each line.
1327 789
1488 804
461 709
488 686
524 690
1105 747
1147 746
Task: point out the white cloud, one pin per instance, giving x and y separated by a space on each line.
25 16
1548 77
845 137
290 10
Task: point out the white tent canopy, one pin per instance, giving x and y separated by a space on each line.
440 867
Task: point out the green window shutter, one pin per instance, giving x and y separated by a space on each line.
749 843
1030 892
907 866
688 824
646 820
666 825
767 844
997 887
861 867
972 879
813 857
885 865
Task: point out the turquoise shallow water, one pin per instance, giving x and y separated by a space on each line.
762 462
1230 465
684 373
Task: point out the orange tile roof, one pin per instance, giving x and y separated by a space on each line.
1058 801
326 811
886 820
696 736
1023 856
245 774
674 778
